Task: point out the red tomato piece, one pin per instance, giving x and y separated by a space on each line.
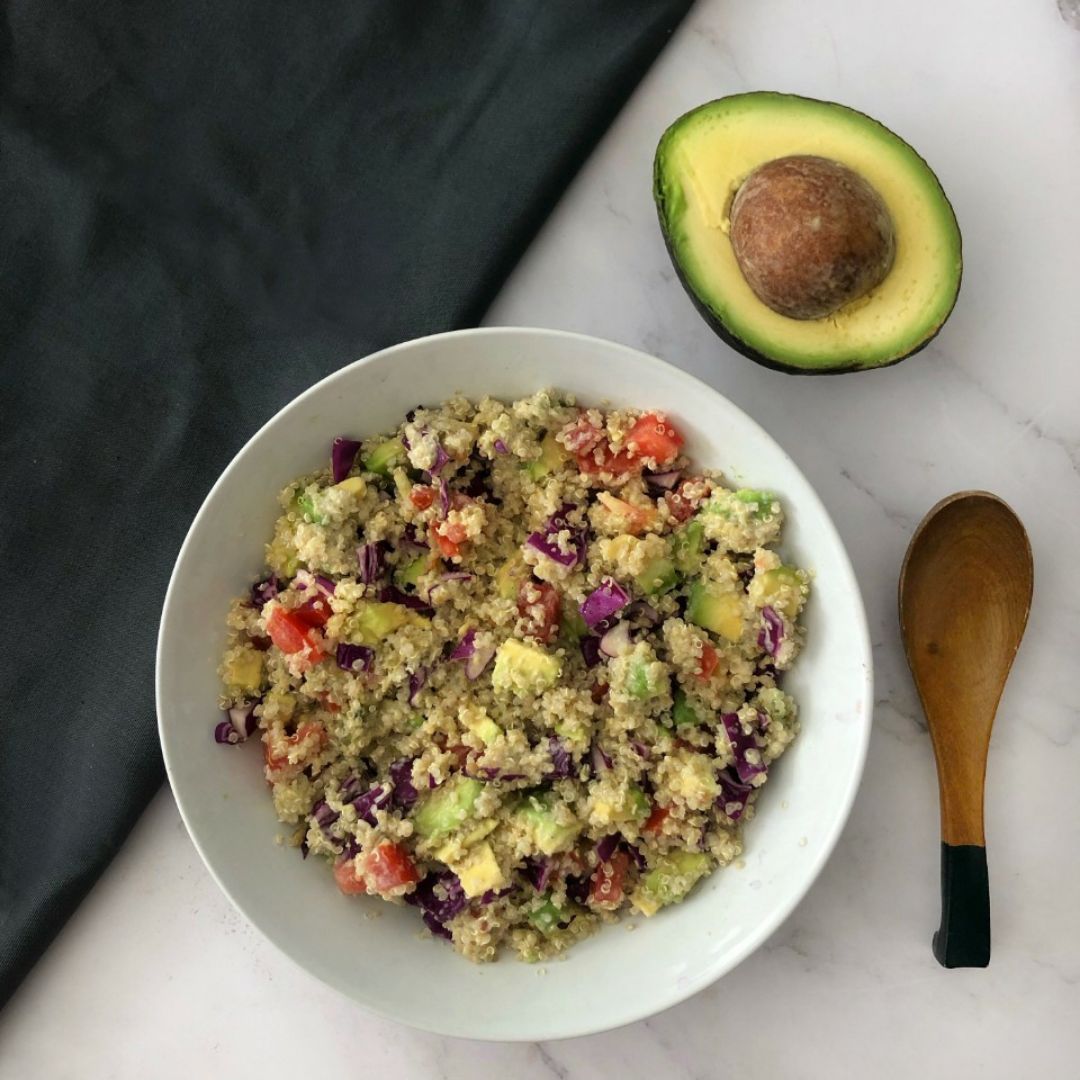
581 436
315 612
606 460
291 634
388 867
656 819
310 737
681 502
709 661
654 437
448 537
599 691
421 497
348 880
539 604
606 884
635 519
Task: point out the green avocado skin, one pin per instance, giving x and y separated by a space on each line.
740 346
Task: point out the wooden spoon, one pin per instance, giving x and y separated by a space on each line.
965 592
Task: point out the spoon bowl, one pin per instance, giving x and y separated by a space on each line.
965 593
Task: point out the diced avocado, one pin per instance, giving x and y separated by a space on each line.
279 706
643 680
416 721
411 573
356 485
479 871
669 879
485 729
385 457
537 818
522 668
281 554
370 622
509 576
551 457
779 706
637 802
688 546
244 670
305 505
574 732
785 588
546 917
658 577
719 612
683 713
761 502
446 807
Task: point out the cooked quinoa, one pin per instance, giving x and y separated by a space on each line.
517 665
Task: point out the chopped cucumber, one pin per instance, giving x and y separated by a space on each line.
385 457
784 588
637 802
305 505
551 457
643 680
410 574
689 546
669 879
722 613
546 917
537 819
761 502
683 713
658 577
446 807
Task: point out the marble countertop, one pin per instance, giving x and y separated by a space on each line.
157 976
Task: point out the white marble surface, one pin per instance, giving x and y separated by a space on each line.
156 976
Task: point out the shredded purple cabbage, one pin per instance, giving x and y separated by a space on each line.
342 455
324 815
416 683
538 870
373 799
497 774
546 542
226 734
501 447
733 795
561 765
238 724
372 564
577 890
643 610
742 744
659 482
590 651
600 758
476 658
771 633
391 594
603 602
441 459
354 657
444 496
264 591
350 788
606 847
325 585
439 897
495 894
641 749
466 646
404 793
616 641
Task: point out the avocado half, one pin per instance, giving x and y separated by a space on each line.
704 157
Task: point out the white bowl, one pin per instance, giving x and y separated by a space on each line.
382 963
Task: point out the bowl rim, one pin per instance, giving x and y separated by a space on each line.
676 993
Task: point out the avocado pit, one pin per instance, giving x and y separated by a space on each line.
810 235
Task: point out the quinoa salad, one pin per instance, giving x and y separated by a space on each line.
518 666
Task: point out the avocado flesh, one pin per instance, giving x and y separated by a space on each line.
700 163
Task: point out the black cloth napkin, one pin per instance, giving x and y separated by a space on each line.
205 207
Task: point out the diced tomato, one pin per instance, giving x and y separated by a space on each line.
604 459
348 880
581 436
709 660
656 819
684 500
315 612
449 536
599 691
292 635
539 604
421 497
635 519
388 867
328 703
310 737
606 885
461 753
654 437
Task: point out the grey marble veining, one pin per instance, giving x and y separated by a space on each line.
990 95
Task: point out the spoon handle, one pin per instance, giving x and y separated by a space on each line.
963 939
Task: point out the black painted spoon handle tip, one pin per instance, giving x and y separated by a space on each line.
963 939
